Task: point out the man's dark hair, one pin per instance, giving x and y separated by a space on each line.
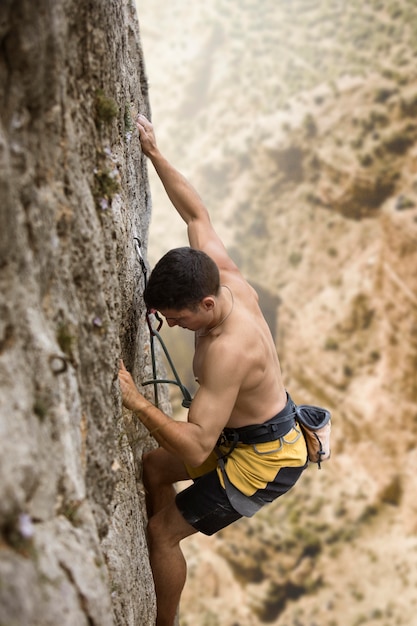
181 279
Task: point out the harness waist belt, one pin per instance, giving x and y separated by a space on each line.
273 429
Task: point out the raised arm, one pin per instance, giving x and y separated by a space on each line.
185 199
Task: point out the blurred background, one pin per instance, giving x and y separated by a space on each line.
296 122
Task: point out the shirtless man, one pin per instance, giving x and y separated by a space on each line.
240 385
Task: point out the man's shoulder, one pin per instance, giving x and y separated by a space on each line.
244 294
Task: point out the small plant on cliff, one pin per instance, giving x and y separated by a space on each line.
107 184
106 108
128 118
40 409
106 178
64 338
70 511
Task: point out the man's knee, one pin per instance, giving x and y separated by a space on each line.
154 529
151 467
160 531
168 527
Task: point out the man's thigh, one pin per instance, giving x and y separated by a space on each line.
162 467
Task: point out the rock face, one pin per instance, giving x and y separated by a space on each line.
74 193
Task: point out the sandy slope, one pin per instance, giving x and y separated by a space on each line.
296 122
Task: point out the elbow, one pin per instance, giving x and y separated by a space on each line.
198 456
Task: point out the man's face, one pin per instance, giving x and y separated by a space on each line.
192 319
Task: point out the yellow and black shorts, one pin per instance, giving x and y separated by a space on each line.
262 472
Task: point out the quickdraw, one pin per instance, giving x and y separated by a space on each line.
154 332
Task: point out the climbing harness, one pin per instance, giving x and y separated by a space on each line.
154 332
312 422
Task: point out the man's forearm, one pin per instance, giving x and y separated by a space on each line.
180 438
181 193
184 439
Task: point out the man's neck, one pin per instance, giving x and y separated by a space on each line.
226 305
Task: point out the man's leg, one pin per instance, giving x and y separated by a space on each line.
160 471
166 528
165 531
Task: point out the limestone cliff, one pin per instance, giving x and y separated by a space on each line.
74 193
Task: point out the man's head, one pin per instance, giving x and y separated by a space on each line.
181 279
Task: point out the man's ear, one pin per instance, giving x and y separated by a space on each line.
208 303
